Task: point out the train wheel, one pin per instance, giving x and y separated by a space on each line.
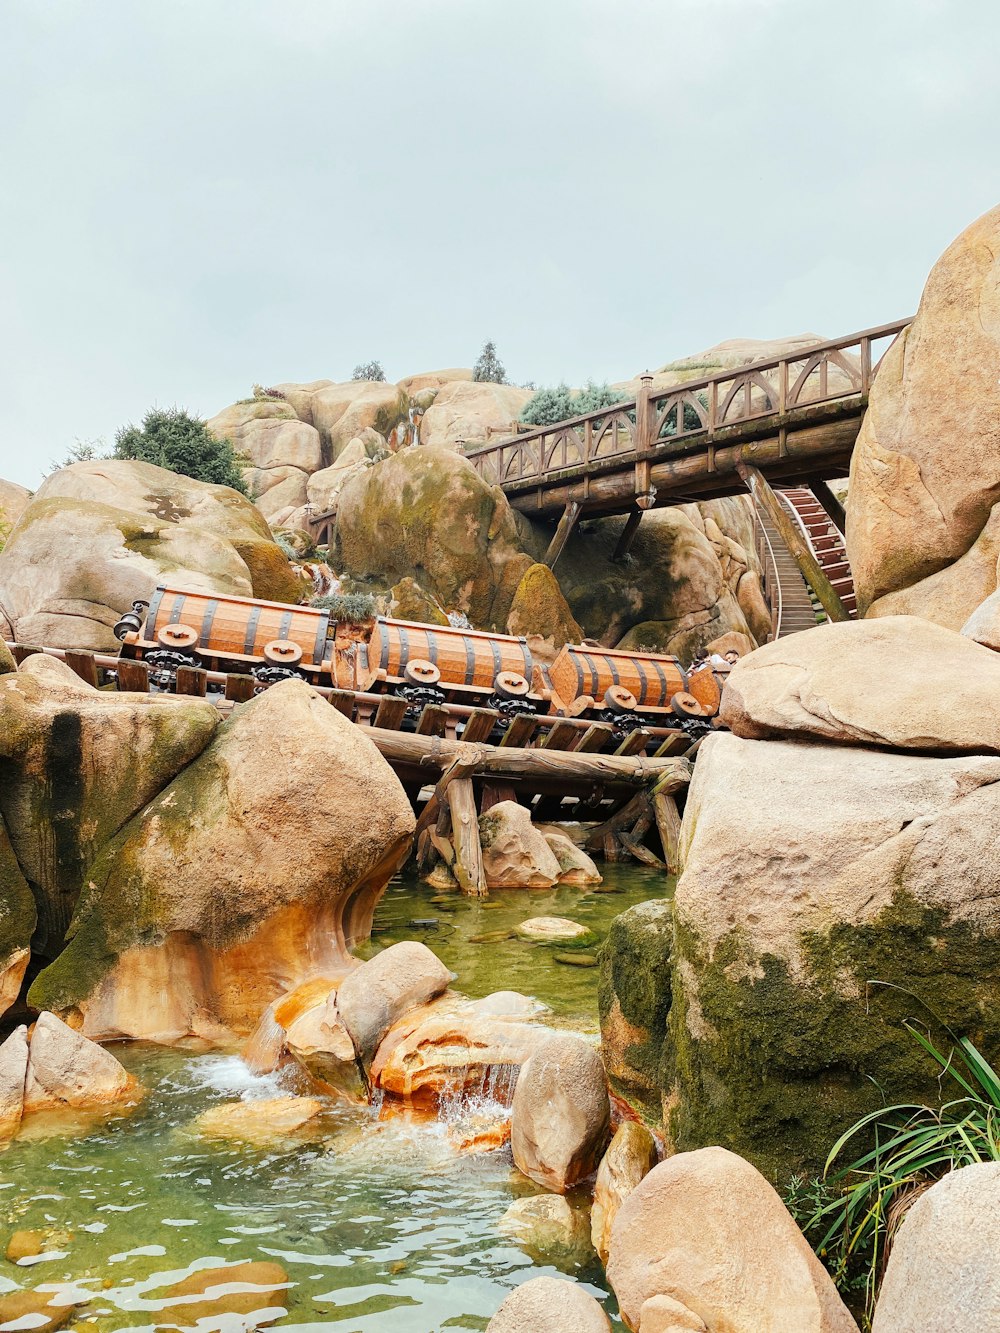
282 652
176 636
509 685
686 705
418 671
620 700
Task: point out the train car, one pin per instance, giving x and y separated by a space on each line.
428 663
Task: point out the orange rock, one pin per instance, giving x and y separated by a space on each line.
237 1289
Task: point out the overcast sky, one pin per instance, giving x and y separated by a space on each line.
200 194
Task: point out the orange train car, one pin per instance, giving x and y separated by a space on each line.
466 661
656 682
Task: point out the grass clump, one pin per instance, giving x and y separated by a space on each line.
352 607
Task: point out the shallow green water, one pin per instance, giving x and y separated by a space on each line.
379 1225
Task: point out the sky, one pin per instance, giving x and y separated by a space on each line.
204 194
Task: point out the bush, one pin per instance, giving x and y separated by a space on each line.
369 370
347 606
83 451
489 368
551 405
172 438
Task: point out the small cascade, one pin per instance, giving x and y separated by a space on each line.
476 1116
318 576
265 1049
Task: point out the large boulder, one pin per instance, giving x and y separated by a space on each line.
707 1230
549 1305
428 514
541 614
280 450
18 919
324 486
463 409
341 412
924 482
826 892
80 763
516 855
560 1114
66 1070
256 868
899 681
942 1273
13 1073
98 536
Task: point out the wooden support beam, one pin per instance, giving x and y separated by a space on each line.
343 701
83 664
479 725
627 536
133 677
561 535
495 792
520 731
433 720
794 538
390 712
562 735
460 769
468 865
192 681
831 504
668 822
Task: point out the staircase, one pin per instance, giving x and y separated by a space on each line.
800 610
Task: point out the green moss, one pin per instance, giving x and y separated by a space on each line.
539 607
17 903
7 663
270 572
776 1066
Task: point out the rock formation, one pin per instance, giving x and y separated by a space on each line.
707 1230
923 527
630 1157
13 502
561 1113
462 411
380 991
254 869
98 536
545 1304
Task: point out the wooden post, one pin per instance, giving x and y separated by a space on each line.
795 540
468 865
627 537
561 535
831 504
668 821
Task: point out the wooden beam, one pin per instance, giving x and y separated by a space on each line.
831 504
627 536
668 822
468 867
795 539
561 535
460 768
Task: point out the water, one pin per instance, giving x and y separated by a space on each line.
378 1223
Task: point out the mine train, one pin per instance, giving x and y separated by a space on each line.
425 664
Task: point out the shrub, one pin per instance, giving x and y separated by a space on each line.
369 370
347 606
83 451
172 438
551 405
489 368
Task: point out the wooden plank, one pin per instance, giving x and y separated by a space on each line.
192 681
668 822
133 677
468 865
676 743
795 540
833 507
343 701
562 735
460 768
623 818
83 664
433 721
595 738
495 792
22 651
634 743
239 689
481 722
390 712
520 731
561 535
640 851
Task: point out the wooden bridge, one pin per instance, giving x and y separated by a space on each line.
788 422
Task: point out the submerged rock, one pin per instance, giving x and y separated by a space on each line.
549 1305
560 1114
261 1121
942 1273
630 1157
707 1230
553 930
40 1311
247 875
227 1294
547 1226
515 854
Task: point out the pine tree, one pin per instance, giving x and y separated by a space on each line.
489 368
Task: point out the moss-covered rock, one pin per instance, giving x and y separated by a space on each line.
634 994
410 602
828 893
255 869
540 611
98 536
427 514
17 922
75 765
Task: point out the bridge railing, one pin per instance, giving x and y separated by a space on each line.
810 376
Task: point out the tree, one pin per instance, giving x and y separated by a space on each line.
369 370
83 451
172 438
551 405
489 368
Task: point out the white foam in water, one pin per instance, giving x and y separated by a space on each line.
228 1074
